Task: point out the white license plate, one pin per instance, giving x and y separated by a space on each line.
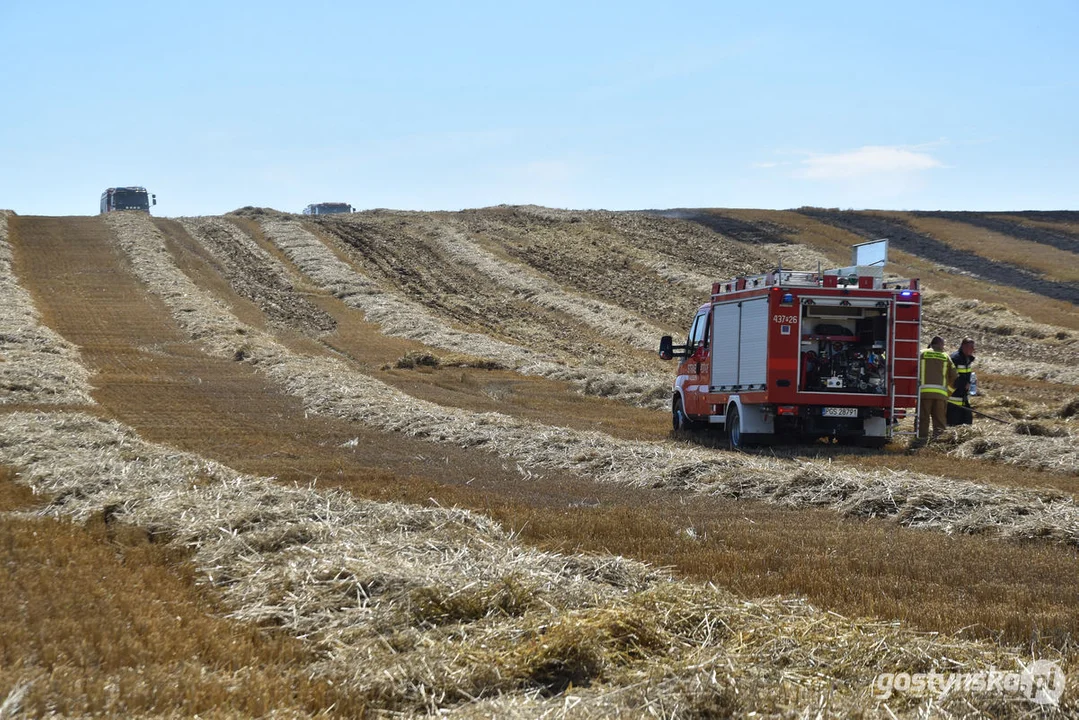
839 412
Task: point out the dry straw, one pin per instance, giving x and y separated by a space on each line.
1008 343
521 281
330 387
427 610
258 276
1037 445
37 366
402 317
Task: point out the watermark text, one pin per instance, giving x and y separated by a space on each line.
1041 682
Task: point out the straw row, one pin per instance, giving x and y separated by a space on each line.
256 275
424 610
521 281
328 386
1008 343
37 366
402 317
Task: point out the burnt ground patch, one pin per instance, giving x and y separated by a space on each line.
905 238
1054 216
1060 239
740 230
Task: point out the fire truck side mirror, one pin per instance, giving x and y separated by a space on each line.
668 350
666 347
154 198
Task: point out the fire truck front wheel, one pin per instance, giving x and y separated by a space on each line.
679 420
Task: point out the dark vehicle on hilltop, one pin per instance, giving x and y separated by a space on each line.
126 198
327 209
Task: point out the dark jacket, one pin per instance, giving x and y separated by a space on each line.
963 365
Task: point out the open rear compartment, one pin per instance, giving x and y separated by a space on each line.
843 346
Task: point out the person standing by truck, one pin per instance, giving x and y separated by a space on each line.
959 412
936 374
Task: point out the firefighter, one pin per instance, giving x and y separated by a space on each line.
959 412
936 374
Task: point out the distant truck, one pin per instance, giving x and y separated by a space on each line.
126 198
327 209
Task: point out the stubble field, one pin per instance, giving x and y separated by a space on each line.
400 463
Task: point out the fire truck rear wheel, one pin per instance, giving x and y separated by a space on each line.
733 426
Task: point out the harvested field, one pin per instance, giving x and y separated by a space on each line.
36 365
744 231
455 614
656 268
903 237
253 274
267 341
405 317
327 387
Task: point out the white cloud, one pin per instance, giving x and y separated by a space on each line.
871 160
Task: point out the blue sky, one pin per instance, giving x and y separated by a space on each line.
627 105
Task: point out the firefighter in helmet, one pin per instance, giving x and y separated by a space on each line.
959 412
936 373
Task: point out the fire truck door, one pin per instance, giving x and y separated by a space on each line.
700 366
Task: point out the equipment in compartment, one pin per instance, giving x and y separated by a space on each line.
846 356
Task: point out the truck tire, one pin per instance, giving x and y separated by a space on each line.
733 426
679 420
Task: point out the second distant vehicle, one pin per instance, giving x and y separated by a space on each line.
126 198
327 209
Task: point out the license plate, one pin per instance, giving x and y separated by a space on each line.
839 412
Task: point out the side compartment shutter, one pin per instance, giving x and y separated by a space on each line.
725 345
753 357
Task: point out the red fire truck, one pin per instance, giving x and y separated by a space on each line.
801 356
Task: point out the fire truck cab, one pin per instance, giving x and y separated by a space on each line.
800 356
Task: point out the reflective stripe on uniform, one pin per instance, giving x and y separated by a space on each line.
934 388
